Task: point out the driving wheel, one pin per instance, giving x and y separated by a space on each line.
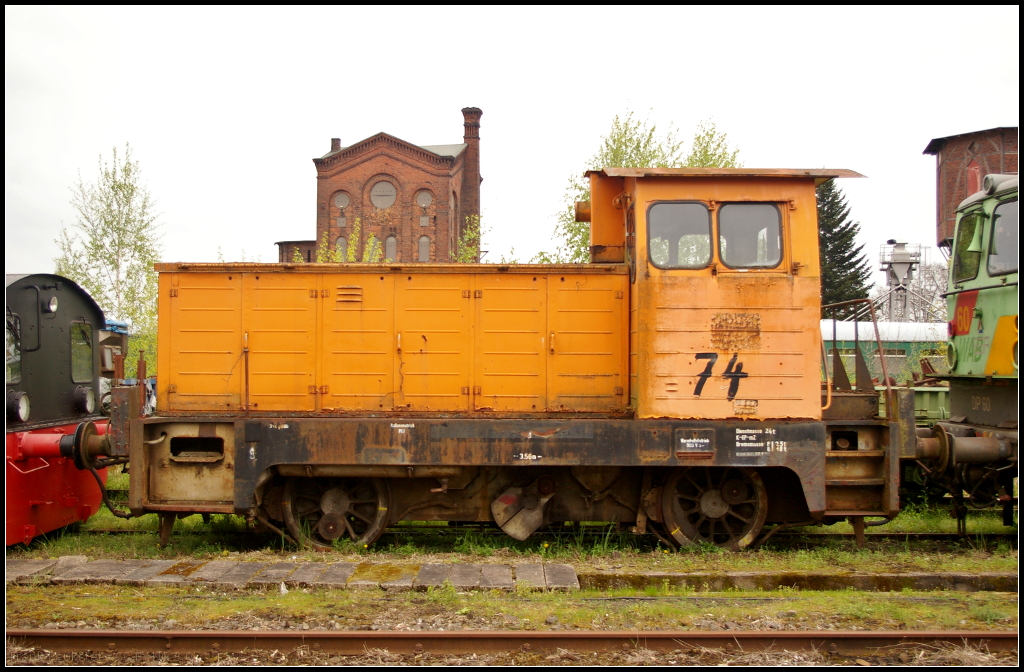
319 511
724 506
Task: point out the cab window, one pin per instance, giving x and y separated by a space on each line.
750 235
81 353
967 249
1002 254
12 344
679 235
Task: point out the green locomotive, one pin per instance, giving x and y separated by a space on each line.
974 452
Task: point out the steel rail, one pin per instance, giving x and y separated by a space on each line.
860 642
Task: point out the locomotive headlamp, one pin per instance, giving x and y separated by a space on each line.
19 407
51 305
85 400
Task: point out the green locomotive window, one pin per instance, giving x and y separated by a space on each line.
750 235
81 353
12 344
1002 255
967 255
679 235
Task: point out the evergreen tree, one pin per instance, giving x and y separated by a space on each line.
845 273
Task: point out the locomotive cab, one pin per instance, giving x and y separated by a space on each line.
974 453
53 386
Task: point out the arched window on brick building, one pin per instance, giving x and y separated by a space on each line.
342 248
391 249
424 248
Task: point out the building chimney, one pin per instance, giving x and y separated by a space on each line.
335 145
471 179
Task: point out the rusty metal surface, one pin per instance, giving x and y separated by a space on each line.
323 447
859 642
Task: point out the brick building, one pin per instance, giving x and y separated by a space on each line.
962 161
415 199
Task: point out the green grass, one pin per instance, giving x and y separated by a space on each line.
106 606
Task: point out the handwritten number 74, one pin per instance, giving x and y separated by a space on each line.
733 373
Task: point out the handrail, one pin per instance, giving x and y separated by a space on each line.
878 342
977 289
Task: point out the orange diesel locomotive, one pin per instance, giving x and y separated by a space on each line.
673 385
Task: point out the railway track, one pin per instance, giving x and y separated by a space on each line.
849 643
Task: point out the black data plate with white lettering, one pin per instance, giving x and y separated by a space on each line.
695 442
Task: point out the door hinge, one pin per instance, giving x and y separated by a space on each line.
465 390
172 388
174 291
313 293
324 389
478 294
312 389
324 293
465 293
476 389
618 391
618 294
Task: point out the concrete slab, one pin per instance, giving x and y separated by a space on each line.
465 577
432 576
561 577
98 571
273 574
375 575
211 571
306 574
530 576
496 576
26 570
238 576
399 577
66 563
336 574
178 572
145 572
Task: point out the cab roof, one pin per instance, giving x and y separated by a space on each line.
820 175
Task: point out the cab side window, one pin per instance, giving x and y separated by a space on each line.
967 254
81 352
750 235
679 235
1002 254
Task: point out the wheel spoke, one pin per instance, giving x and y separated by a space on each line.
746 521
351 532
353 512
695 484
363 501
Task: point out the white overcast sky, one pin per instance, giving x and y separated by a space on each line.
225 108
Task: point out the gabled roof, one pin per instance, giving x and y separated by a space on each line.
936 144
427 152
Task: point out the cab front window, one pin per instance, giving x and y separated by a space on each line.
81 353
1002 256
967 249
750 235
679 235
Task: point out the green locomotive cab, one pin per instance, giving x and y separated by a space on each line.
975 451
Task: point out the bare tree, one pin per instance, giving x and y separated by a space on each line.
111 249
